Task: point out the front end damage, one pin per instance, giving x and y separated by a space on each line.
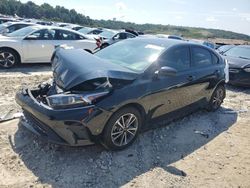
65 110
73 125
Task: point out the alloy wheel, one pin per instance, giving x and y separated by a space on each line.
124 129
7 59
218 98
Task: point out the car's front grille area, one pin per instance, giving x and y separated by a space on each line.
42 129
39 126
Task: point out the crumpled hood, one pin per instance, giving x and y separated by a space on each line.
72 67
235 62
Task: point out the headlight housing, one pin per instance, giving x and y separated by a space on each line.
73 100
247 69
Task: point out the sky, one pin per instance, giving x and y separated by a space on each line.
231 15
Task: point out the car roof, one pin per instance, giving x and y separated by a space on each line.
160 41
167 43
53 27
244 46
27 23
56 27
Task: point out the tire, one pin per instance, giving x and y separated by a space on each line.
8 58
116 136
217 98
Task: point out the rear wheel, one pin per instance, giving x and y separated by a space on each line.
8 58
217 98
122 129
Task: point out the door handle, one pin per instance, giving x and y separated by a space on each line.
190 78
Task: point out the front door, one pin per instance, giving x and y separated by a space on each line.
170 93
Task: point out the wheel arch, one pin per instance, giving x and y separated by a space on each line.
220 83
135 105
138 107
17 53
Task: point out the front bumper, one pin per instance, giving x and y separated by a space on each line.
239 77
74 126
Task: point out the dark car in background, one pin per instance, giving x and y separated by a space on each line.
224 48
128 87
239 65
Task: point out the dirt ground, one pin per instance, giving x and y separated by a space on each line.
202 150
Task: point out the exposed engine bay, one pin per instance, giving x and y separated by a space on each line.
101 86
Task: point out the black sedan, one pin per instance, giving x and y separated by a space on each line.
128 87
239 65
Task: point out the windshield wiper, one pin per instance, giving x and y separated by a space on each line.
243 57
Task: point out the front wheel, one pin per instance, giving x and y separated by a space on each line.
8 58
122 129
217 98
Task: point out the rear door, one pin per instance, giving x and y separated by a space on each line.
207 71
40 47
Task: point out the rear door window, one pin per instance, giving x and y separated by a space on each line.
201 57
44 34
67 35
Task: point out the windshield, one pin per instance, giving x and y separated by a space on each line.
22 32
239 51
85 30
107 34
133 54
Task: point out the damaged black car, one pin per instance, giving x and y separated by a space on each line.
239 65
113 95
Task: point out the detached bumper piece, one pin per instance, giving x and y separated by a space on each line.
52 125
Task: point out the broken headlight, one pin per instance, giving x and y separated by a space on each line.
73 100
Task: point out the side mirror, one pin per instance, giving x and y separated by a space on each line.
166 71
31 37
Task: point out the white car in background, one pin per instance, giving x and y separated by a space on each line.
36 44
10 27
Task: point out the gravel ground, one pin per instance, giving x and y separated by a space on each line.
201 150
